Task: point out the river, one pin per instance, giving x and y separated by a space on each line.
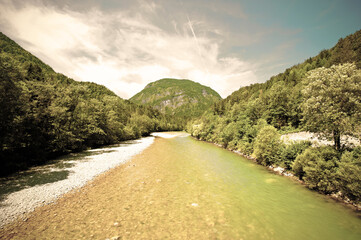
181 188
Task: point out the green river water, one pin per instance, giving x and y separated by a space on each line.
255 204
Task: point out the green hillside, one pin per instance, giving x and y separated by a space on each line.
321 95
278 100
182 99
44 114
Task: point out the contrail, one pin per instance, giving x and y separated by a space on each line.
197 43
194 34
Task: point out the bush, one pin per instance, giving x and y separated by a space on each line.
245 147
317 167
267 146
349 174
291 151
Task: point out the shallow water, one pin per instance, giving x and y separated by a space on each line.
244 200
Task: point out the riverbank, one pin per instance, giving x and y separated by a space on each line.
19 203
283 172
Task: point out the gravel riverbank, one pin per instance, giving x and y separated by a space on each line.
26 200
315 139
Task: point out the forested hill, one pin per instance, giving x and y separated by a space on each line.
278 99
44 114
321 95
180 98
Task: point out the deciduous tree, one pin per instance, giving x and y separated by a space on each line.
332 101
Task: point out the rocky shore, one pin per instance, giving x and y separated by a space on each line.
316 140
19 203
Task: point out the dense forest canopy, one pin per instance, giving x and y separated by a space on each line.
44 114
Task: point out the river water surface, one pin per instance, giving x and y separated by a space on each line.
181 188
253 203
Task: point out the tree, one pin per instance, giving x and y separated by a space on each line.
9 104
332 101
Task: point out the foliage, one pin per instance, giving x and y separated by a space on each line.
280 102
332 101
267 146
349 174
317 167
44 114
291 151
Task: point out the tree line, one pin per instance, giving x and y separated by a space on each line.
45 114
321 95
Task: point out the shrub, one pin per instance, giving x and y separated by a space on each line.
245 147
291 151
317 167
349 174
267 146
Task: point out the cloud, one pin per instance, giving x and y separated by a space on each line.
124 50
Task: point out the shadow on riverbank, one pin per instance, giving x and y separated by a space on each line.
53 171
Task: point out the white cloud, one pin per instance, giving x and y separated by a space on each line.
112 48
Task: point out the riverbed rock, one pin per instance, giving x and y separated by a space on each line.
279 170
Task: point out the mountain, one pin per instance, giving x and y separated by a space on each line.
180 98
44 114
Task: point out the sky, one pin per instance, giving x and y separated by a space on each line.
126 44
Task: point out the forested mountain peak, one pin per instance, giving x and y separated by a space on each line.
181 98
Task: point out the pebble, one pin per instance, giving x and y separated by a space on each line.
26 200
